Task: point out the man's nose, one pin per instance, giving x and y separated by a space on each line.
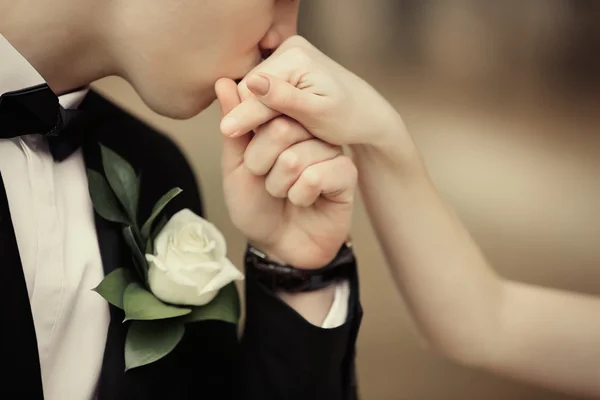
274 39
285 25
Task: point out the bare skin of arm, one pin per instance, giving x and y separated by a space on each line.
546 337
465 310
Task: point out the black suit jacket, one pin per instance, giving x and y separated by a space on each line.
280 355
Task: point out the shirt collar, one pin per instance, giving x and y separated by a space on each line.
16 73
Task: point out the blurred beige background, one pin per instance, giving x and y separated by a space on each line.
503 100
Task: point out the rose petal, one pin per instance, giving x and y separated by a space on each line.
171 292
204 266
211 231
187 257
190 265
156 261
177 277
228 274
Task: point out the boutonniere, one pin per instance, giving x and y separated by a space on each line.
179 272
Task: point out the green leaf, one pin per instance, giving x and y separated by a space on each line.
157 229
105 202
224 307
123 180
149 246
139 189
149 341
140 304
138 257
113 286
160 205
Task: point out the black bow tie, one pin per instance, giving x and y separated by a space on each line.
37 110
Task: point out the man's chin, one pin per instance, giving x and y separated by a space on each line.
193 109
184 108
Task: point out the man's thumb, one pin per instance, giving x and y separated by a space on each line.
282 96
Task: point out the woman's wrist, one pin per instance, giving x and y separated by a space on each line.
392 149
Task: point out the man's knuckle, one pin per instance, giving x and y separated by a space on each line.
280 127
251 165
273 189
282 131
290 161
312 178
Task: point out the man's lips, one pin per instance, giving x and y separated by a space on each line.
255 64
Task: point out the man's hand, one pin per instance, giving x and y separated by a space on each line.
332 103
289 193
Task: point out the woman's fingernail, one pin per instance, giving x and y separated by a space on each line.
260 85
229 126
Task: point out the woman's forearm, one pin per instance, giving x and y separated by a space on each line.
468 313
445 280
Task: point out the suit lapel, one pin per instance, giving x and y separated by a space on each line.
18 348
192 363
114 383
112 376
114 254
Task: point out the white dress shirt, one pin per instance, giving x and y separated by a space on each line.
53 219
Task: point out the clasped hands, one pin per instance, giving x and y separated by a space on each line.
288 186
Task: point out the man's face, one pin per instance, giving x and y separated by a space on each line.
173 51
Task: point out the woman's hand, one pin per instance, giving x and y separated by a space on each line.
332 103
289 193
538 335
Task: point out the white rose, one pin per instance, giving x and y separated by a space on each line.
189 265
